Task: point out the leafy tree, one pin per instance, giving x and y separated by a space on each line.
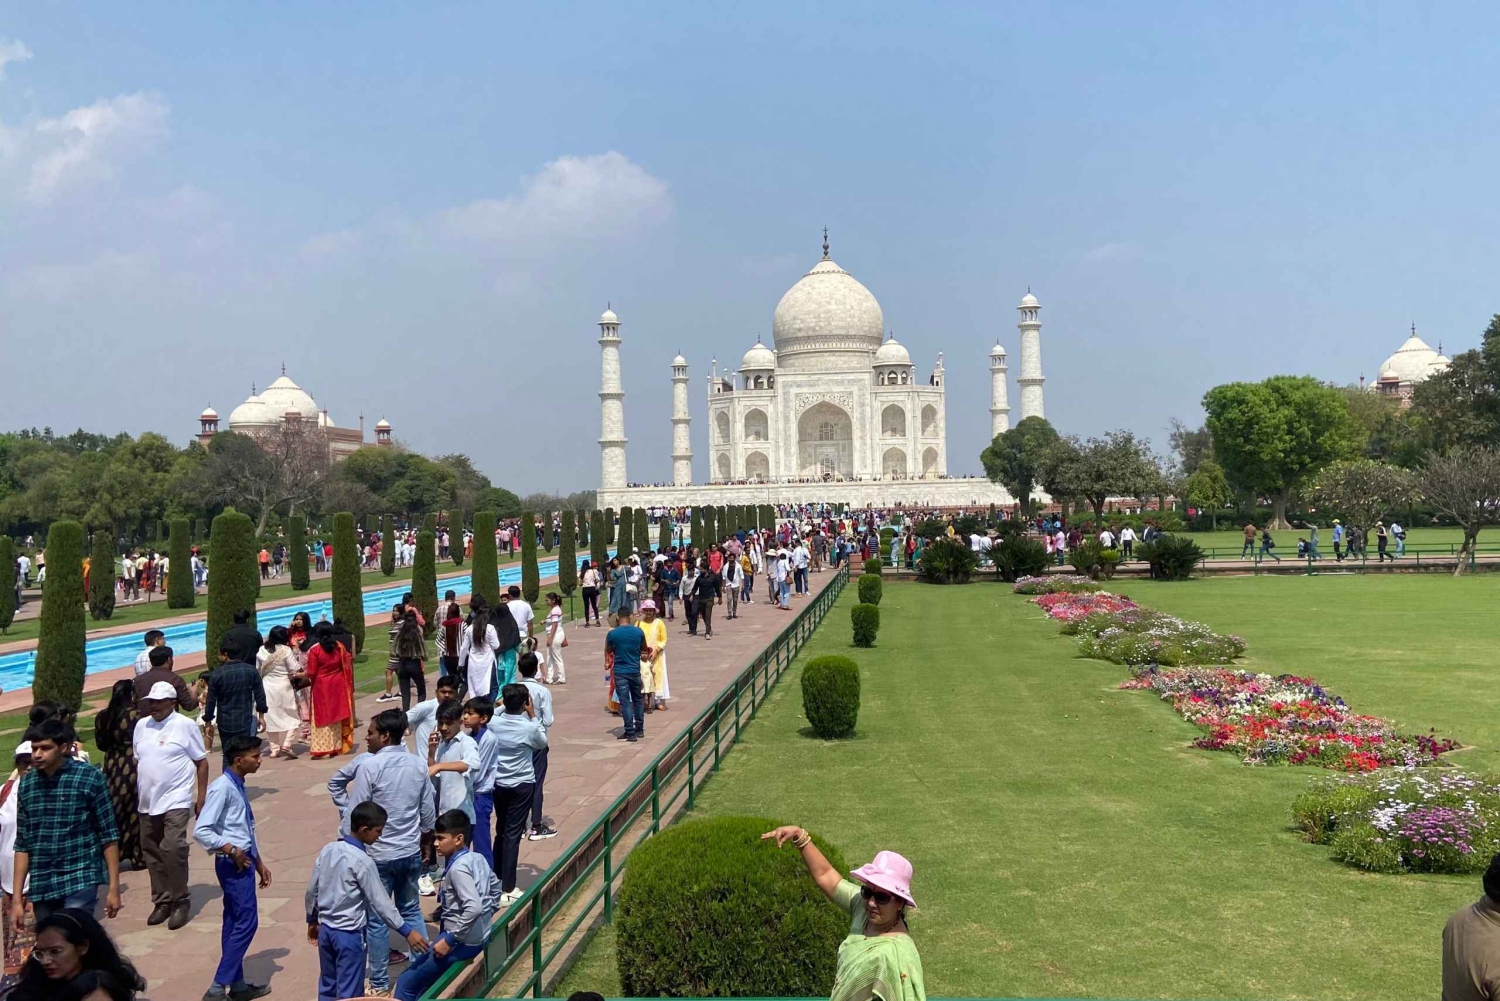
180 591
61 656
599 549
1461 406
567 556
1273 437
388 545
642 530
1207 489
1192 448
456 537
1117 465
266 474
484 569
609 526
1015 458
348 596
424 586
233 576
1362 489
1463 484
531 581
8 579
102 576
663 534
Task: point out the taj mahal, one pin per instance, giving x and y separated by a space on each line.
833 411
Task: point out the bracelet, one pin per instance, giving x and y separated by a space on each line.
806 840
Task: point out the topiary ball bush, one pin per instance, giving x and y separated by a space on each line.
871 588
830 696
873 565
708 909
866 620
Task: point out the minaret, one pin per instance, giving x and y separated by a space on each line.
682 442
1030 379
611 405
999 393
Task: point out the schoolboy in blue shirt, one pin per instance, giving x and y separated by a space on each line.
477 714
466 907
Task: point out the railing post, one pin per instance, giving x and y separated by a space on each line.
692 765
536 945
609 871
655 799
736 711
718 715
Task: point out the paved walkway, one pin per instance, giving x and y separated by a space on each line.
588 768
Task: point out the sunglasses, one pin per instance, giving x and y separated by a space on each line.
879 896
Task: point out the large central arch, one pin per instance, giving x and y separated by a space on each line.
825 442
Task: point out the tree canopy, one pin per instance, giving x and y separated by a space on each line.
1361 490
1014 458
1117 465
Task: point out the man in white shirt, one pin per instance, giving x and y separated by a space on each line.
154 639
1107 539
172 765
24 566
520 611
1399 534
1127 541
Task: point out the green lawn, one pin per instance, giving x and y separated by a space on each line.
1068 842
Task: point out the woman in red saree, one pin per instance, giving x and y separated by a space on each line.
331 671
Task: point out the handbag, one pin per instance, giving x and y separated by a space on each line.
300 681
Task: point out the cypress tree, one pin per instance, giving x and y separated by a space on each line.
695 526
598 551
547 531
664 534
8 576
296 551
642 530
609 526
531 581
456 537
484 570
767 517
233 578
424 578
567 557
61 658
180 593
200 531
711 533
388 545
581 519
102 575
625 536
348 598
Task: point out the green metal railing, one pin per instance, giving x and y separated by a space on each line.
525 946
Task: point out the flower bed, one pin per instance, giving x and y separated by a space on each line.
1060 583
1285 719
1405 821
1140 636
1069 607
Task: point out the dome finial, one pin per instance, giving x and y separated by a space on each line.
252 389
1414 329
825 243
283 368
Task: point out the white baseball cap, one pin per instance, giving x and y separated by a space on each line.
162 690
23 749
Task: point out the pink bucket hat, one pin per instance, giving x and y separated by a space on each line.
648 605
888 871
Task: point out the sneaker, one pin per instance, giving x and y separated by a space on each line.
624 736
425 887
633 738
249 992
541 833
396 957
389 697
506 899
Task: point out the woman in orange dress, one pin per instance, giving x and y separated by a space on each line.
331 671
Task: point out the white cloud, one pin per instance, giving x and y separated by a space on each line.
88 143
1113 252
12 50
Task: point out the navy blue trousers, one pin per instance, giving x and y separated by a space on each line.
241 919
341 964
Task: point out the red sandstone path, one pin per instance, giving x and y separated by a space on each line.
588 769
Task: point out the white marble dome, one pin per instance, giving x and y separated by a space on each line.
998 351
284 396
892 353
1413 361
1028 300
608 316
827 312
209 414
758 357
253 412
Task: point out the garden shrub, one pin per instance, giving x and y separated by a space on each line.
8 575
102 575
968 524
60 650
1093 560
886 535
1020 557
531 581
874 565
583 520
625 533
456 537
296 551
708 909
1172 557
567 557
484 569
930 528
387 545
348 599
609 526
830 696
642 530
1317 810
598 548
947 561
866 622
695 526
180 592
871 588
663 534
234 577
424 580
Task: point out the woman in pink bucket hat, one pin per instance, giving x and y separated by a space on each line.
878 959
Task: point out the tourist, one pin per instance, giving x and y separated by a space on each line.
242 639
114 727
749 560
801 560
589 580
398 783
878 958
264 558
541 709
508 629
478 651
625 645
1248 549
1312 541
522 612
1382 539
708 591
478 712
72 951
392 659
329 669
450 633
345 899
466 908
1267 544
66 838
236 697
154 639
1471 945
670 577
557 673
688 586
619 599
654 685
730 579
173 766
18 938
226 830
421 718
130 588
277 664
409 646
1338 541
518 735
784 578
452 761
1399 534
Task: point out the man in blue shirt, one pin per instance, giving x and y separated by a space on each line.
627 644
541 708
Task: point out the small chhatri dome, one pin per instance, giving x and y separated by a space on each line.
679 362
1413 361
1029 300
383 425
892 353
758 357
209 414
608 316
998 351
254 411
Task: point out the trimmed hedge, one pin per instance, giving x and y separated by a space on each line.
102 575
484 568
546 526
642 530
387 545
710 526
456 537
348 598
695 527
582 520
424 580
874 565
767 516
233 576
871 588
531 581
664 534
598 548
625 534
296 551
61 658
866 622
609 526
180 592
708 909
8 579
830 696
567 557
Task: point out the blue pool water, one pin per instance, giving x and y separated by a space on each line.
110 652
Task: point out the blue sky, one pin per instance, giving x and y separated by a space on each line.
423 209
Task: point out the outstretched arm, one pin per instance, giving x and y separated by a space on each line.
823 873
